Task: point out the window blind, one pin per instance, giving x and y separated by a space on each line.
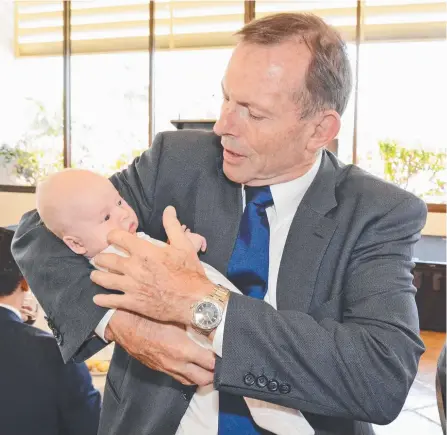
384 20
123 25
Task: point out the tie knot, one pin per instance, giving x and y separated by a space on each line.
260 196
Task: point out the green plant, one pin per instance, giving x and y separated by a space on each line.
402 165
25 163
124 159
35 155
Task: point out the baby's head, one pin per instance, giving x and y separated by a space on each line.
81 208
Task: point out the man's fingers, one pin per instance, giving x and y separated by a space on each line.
174 231
112 281
113 263
200 356
198 375
127 302
192 374
182 379
130 243
108 301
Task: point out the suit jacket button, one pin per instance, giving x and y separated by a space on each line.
273 385
59 338
249 379
284 388
262 381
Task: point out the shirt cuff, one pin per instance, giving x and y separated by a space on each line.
218 336
102 325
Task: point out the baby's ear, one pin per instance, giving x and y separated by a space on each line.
75 244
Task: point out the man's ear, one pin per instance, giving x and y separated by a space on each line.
75 244
24 285
327 127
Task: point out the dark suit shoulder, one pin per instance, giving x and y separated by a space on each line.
194 148
372 192
38 343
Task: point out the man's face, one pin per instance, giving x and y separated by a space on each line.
264 140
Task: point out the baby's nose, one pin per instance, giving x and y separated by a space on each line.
124 214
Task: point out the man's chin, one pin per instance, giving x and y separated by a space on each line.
236 174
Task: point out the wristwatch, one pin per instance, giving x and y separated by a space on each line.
207 313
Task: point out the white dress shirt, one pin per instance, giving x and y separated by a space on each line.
13 309
286 199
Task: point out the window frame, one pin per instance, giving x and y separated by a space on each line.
249 14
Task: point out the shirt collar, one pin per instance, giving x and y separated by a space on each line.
13 309
287 196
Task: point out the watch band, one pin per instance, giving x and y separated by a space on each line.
220 294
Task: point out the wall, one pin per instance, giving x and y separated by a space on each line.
13 205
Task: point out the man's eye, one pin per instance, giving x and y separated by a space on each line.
107 217
256 118
120 202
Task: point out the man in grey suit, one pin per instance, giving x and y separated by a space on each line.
343 344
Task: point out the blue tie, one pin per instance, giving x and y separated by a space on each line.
248 270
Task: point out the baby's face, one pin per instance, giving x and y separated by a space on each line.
100 211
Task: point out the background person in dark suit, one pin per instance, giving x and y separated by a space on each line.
39 394
343 345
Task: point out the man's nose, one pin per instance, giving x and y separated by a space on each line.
226 124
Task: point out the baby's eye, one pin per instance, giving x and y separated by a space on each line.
107 217
120 202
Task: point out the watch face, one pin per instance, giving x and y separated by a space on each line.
207 315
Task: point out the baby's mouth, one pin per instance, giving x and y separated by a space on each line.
132 227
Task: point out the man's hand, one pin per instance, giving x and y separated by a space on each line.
163 347
29 309
157 282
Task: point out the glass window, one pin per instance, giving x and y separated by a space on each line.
188 85
31 89
110 110
401 118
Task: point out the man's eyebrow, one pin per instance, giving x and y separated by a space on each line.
249 104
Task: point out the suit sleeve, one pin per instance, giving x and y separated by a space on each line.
359 368
79 403
61 279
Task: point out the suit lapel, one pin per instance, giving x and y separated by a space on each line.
217 216
218 213
308 239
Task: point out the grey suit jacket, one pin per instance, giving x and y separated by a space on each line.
344 343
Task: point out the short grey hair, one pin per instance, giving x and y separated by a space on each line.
329 78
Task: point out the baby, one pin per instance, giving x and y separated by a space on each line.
81 208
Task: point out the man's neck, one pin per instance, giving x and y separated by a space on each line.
14 300
291 174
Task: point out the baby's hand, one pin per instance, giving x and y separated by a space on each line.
197 240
